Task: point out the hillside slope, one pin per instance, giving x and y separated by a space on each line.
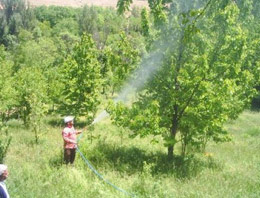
79 3
227 170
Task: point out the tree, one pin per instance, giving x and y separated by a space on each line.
38 109
121 59
66 25
54 14
123 6
146 29
7 101
7 91
251 20
41 53
16 15
90 20
32 97
81 80
31 87
201 81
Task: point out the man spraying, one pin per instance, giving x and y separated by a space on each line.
69 135
3 177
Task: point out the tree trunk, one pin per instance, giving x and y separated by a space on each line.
170 152
113 90
173 131
173 135
175 117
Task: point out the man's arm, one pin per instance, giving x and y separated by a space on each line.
80 131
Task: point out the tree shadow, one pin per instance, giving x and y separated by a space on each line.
132 160
80 124
54 122
56 161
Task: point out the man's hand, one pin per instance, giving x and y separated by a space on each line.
80 131
84 129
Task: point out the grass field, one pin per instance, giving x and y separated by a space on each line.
230 169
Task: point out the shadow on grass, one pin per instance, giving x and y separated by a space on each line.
133 160
57 160
55 122
253 132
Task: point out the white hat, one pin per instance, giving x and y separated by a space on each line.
68 119
3 168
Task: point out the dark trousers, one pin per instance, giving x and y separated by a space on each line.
69 155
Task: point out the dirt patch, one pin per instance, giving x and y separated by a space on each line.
80 3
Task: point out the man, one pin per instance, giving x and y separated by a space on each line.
3 177
69 135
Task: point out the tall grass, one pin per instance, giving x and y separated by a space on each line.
136 165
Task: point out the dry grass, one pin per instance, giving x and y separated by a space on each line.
80 3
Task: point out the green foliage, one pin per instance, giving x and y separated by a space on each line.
144 124
251 22
37 113
101 23
256 7
66 25
41 54
145 23
81 80
16 15
7 92
7 101
120 61
146 29
31 87
201 81
158 10
91 20
54 14
44 54
123 6
44 42
43 29
209 52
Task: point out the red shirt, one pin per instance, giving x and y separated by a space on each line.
69 135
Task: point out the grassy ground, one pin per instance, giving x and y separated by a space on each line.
230 170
